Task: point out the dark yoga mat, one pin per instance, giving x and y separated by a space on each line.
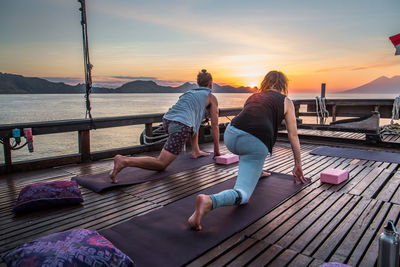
132 175
353 153
164 238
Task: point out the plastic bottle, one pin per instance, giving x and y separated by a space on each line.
389 246
29 138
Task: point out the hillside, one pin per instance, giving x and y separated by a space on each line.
148 87
382 85
18 84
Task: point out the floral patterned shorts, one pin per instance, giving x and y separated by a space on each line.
178 135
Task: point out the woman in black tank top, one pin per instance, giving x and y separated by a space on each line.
252 135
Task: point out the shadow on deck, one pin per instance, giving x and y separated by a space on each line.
320 223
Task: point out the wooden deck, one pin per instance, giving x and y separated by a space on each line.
389 138
320 223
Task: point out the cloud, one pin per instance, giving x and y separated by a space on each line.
335 69
67 80
249 34
105 82
356 68
114 81
134 77
373 66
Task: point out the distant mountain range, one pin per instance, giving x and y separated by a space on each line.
382 85
18 84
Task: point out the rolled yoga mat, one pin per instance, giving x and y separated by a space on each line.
353 153
131 175
164 238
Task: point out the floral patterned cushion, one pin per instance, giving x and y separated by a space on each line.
43 195
78 247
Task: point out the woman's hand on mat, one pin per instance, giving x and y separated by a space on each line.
298 174
216 154
264 174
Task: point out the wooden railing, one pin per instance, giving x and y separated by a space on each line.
348 107
83 127
342 108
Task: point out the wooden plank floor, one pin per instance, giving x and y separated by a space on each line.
390 138
320 223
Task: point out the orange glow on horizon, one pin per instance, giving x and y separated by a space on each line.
300 80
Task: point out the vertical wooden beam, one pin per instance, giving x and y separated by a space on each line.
84 144
7 154
148 130
323 90
334 113
297 110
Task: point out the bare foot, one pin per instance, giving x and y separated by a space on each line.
265 174
203 206
198 154
118 166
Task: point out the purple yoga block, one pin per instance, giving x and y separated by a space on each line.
227 159
334 176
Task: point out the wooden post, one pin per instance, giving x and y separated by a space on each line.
148 130
297 110
334 113
7 154
323 89
84 145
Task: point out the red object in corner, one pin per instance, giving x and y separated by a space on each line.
396 42
395 39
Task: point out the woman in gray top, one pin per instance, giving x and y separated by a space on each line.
182 121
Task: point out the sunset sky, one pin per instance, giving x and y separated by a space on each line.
340 42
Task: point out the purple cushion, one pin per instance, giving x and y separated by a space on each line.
79 247
43 195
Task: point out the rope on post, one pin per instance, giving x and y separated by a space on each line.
160 138
320 107
393 128
88 67
396 109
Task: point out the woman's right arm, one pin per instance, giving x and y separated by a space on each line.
214 114
290 119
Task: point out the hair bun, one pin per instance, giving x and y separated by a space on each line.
204 71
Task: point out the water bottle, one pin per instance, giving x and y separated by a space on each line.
389 246
29 138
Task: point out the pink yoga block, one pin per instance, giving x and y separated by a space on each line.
227 159
334 176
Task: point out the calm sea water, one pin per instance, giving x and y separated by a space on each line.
47 107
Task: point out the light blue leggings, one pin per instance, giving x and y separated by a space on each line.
252 153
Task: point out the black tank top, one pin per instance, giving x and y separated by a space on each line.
261 115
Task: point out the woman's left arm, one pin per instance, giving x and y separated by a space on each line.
290 119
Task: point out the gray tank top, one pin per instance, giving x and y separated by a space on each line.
190 108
